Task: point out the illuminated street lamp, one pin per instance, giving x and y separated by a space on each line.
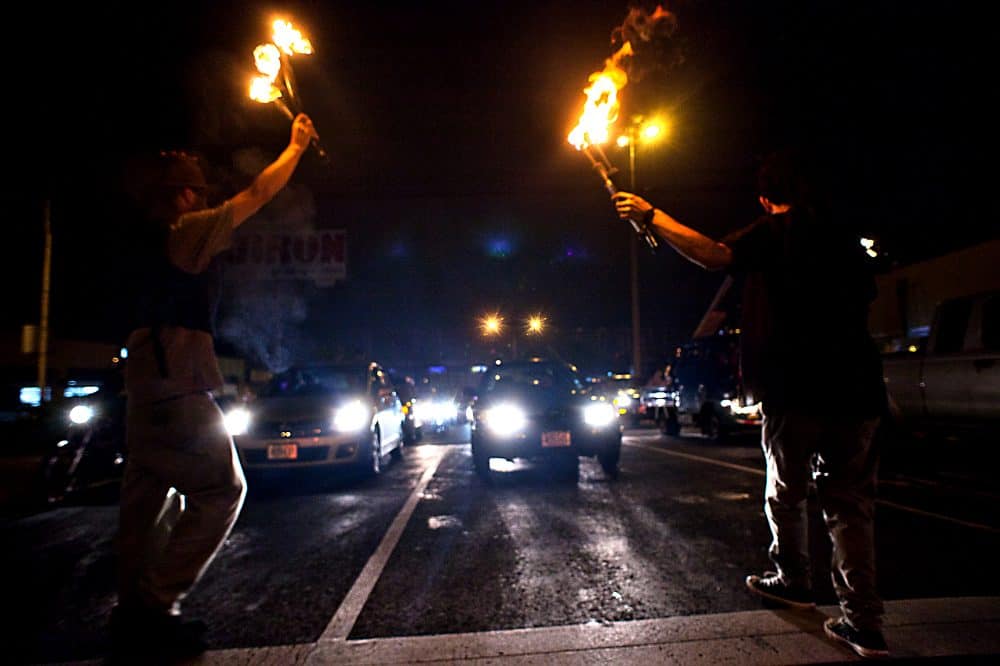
644 131
491 325
535 325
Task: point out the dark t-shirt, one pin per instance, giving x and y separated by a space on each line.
804 338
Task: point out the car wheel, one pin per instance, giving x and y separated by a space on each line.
373 464
712 428
481 461
669 423
609 458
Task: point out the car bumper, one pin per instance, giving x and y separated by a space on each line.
323 451
529 444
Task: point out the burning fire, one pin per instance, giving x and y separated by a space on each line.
263 90
290 40
267 57
601 108
276 79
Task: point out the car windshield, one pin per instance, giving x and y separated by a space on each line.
315 381
520 376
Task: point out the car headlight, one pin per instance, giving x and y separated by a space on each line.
351 417
237 422
81 414
599 414
624 400
740 410
506 419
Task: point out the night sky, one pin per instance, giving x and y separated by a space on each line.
450 169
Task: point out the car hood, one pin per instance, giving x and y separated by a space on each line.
296 408
535 401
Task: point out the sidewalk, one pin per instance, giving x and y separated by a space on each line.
921 629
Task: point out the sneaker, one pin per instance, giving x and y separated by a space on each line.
869 644
770 586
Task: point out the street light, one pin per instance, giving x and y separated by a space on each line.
491 324
534 325
640 130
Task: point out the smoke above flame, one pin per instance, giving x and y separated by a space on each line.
600 111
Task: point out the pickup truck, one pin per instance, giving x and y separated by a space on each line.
952 377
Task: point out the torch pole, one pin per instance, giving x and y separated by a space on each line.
43 328
634 271
603 168
288 77
291 116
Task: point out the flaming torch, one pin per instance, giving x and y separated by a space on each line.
276 82
599 112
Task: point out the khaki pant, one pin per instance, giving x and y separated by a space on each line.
838 454
181 444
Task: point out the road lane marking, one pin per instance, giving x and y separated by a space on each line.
759 472
710 461
350 608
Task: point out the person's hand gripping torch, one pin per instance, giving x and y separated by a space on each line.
276 82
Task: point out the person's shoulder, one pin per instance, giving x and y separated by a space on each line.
205 215
763 224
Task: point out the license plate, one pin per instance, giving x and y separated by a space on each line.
282 451
553 439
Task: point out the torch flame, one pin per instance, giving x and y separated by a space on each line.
290 40
262 90
601 108
267 57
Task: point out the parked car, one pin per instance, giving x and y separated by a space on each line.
333 416
542 409
706 387
951 379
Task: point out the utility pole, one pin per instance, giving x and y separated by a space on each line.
634 265
43 328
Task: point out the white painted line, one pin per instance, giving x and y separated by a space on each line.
710 461
759 472
931 514
343 620
914 628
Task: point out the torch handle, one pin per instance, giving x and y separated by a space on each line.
601 167
320 150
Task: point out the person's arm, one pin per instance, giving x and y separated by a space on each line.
692 245
272 179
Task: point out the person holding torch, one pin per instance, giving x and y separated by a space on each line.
176 437
807 357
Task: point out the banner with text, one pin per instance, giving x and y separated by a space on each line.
316 256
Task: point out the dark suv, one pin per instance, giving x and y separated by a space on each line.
705 379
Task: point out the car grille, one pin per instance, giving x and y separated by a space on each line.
555 419
306 454
276 429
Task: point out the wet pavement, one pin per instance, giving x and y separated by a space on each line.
420 553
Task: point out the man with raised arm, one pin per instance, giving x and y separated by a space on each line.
806 355
176 438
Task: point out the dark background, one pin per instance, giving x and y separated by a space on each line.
450 170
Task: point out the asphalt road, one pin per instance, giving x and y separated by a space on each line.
428 548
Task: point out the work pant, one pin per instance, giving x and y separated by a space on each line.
179 444
838 453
